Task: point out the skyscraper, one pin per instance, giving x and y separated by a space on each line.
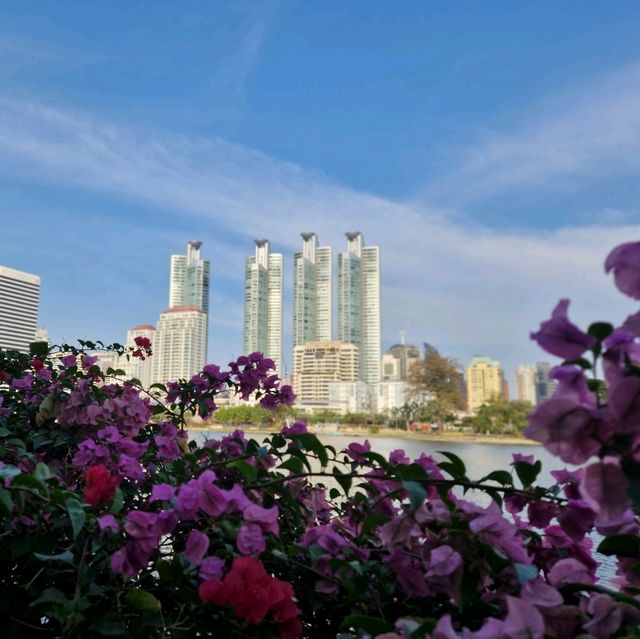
359 303
189 280
312 292
484 381
263 303
179 350
19 299
545 385
142 370
526 383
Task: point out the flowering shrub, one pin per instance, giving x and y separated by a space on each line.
113 523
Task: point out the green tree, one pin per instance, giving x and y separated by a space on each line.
499 416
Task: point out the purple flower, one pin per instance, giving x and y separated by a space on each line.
606 618
88 361
569 571
624 404
566 428
522 620
443 561
519 457
357 451
211 500
250 540
212 568
68 361
576 518
540 594
167 443
161 492
573 383
108 523
604 488
294 429
541 513
560 337
265 518
398 456
624 261
196 547
187 501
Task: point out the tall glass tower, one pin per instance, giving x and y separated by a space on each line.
359 303
263 303
312 292
189 283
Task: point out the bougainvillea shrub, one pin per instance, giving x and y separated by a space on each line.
113 523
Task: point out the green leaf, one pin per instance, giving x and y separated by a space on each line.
371 522
39 349
4 432
294 464
500 476
417 493
248 471
32 482
456 467
376 457
620 545
160 386
142 600
334 493
600 330
42 471
76 515
526 572
65 557
9 471
580 361
411 471
345 481
373 625
109 626
527 473
50 595
6 503
117 503
310 442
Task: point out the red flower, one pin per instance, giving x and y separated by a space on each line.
99 485
252 593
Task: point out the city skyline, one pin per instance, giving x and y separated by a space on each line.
495 176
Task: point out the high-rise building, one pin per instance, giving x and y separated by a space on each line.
135 368
484 382
19 300
263 303
312 292
179 349
545 386
398 361
526 383
316 364
189 280
359 303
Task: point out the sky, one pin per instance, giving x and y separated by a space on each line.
491 149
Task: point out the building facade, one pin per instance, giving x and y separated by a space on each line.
316 365
526 384
398 361
19 302
179 349
484 382
189 279
312 292
545 386
359 303
263 303
135 368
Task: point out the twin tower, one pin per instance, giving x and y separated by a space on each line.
358 300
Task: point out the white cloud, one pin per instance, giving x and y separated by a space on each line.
587 131
468 289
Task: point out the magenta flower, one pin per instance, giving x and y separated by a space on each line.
624 404
560 337
567 429
250 540
196 547
161 492
606 617
357 451
265 518
604 488
212 568
108 523
624 261
443 561
569 571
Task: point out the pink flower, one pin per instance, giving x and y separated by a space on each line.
624 261
196 547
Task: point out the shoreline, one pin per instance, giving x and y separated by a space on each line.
471 438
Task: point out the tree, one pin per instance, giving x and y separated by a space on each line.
437 379
498 416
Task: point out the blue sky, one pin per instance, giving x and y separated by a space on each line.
490 148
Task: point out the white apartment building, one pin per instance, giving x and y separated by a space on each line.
263 303
179 349
526 383
349 397
359 303
312 292
135 368
316 365
390 395
19 300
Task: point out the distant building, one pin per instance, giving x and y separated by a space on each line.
390 395
484 382
526 383
398 361
42 335
135 368
349 397
263 303
545 386
359 303
316 364
179 346
189 279
312 292
19 300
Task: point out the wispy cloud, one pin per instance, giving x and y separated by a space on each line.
466 289
588 131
